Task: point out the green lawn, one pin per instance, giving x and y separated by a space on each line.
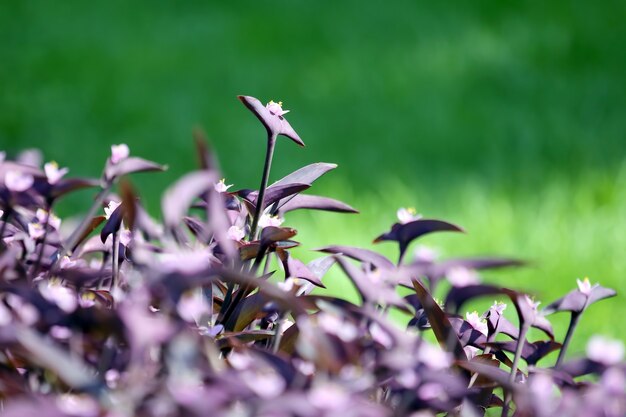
505 118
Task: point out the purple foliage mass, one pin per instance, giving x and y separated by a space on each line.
118 314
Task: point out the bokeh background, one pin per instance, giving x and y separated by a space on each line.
506 118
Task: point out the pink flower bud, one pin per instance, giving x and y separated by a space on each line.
53 173
17 181
119 152
276 108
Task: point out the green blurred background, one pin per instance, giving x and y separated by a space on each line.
506 118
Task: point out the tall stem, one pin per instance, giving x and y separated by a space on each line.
7 215
570 331
521 341
271 143
76 234
278 333
115 260
37 266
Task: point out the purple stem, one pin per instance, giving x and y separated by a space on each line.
271 144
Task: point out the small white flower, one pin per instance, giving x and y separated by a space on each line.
108 210
53 173
119 152
286 285
476 322
266 221
192 306
17 181
266 384
276 108
60 332
431 391
212 332
126 236
53 221
531 302
5 315
329 396
66 262
604 350
60 295
380 335
26 312
425 254
305 367
332 324
35 230
407 215
235 233
240 360
78 405
462 277
112 377
221 186
434 356
498 307
585 286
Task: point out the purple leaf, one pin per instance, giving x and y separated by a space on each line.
307 174
494 373
179 197
363 255
273 234
129 166
274 124
273 193
113 223
198 228
373 292
320 266
466 333
296 269
407 232
314 202
444 332
577 301
457 296
68 367
531 352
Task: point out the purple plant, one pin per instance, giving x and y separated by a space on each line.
123 315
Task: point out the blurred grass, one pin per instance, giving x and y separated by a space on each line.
565 231
506 118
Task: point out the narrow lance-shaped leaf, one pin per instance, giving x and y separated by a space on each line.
444 332
314 202
378 293
307 174
363 255
274 124
457 296
70 369
273 193
531 352
130 165
294 268
113 223
577 301
320 266
405 233
179 197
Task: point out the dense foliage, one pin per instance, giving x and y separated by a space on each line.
188 316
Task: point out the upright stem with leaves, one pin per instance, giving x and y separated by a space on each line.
568 337
269 154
